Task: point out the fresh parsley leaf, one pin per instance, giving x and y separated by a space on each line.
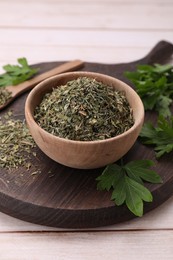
135 195
126 183
140 170
161 136
154 84
108 178
119 192
15 74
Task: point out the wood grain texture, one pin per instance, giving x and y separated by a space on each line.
87 245
87 14
158 219
40 45
95 31
68 197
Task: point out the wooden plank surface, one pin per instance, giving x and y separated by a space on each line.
102 15
53 45
65 30
107 31
87 245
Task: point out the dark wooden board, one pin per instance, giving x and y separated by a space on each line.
68 197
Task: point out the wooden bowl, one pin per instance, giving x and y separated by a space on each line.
83 154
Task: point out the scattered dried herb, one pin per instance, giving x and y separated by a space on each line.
126 183
5 95
84 109
16 143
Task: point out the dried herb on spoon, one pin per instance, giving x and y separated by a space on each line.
5 95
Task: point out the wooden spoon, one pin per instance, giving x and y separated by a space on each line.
29 84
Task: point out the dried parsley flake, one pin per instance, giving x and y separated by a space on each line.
5 95
15 143
84 109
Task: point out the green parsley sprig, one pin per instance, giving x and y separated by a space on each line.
15 74
126 183
154 84
161 136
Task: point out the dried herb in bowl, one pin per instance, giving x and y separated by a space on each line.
86 110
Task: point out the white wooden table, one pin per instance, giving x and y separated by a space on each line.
107 31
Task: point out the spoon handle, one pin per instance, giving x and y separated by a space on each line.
29 84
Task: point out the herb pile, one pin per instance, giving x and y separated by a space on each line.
15 74
85 110
16 143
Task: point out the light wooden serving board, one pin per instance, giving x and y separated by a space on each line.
59 196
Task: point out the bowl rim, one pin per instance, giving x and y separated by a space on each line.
29 114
